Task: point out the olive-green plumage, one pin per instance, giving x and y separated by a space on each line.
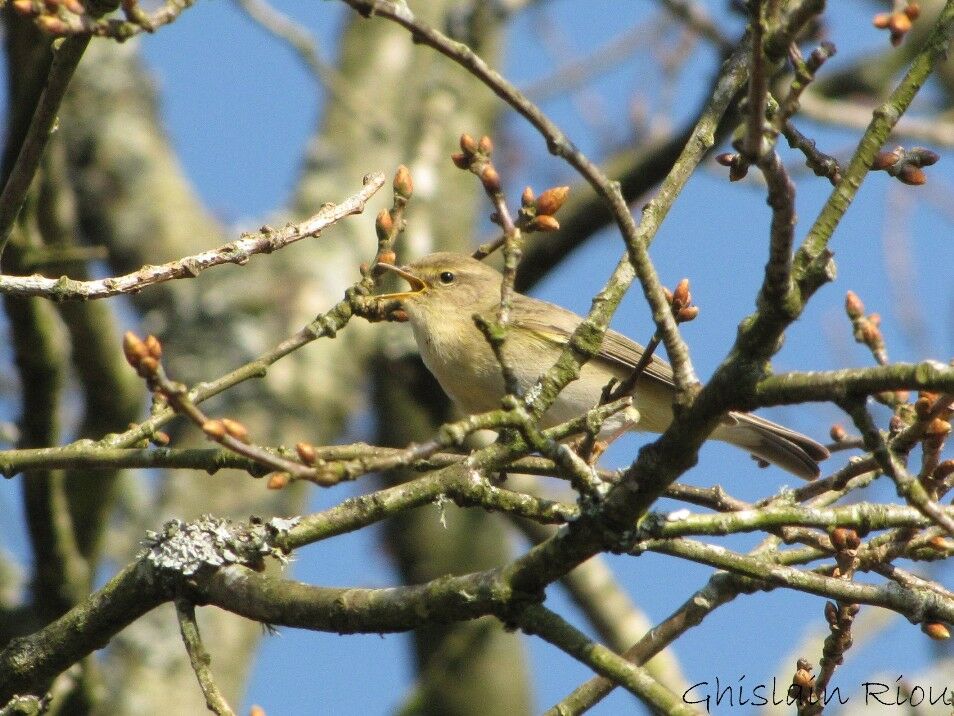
448 289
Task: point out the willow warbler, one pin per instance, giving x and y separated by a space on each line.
447 289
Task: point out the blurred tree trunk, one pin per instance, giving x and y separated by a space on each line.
128 194
474 668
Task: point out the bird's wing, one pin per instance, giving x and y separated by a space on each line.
555 324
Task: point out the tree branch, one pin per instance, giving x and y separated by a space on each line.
236 252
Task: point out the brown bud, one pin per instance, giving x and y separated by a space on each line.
936 630
913 11
837 433
681 296
831 613
306 453
924 157
399 315
527 199
803 680
940 544
76 7
52 25
160 438
686 314
550 201
235 429
215 429
24 7
256 710
461 161
938 428
839 538
153 346
881 20
912 175
544 223
485 146
883 160
490 179
277 480
147 367
387 257
403 185
383 224
134 348
738 171
870 334
922 406
468 145
853 305
899 23
726 159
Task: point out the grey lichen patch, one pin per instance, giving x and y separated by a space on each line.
186 547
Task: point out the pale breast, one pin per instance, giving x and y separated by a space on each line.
467 375
465 366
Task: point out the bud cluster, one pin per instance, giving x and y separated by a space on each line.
738 167
846 543
803 682
866 328
937 428
536 213
680 301
906 165
898 22
51 16
82 17
475 157
142 355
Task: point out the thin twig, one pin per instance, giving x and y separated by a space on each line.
137 21
200 659
551 627
65 60
907 485
775 294
235 252
752 145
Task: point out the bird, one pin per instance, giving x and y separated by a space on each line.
447 289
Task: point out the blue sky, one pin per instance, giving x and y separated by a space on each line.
239 109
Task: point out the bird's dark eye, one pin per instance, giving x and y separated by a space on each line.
447 277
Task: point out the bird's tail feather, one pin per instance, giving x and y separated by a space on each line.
791 451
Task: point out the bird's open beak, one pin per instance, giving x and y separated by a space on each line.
417 285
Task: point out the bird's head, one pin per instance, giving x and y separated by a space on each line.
445 284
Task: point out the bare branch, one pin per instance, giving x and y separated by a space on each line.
65 60
235 252
200 659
